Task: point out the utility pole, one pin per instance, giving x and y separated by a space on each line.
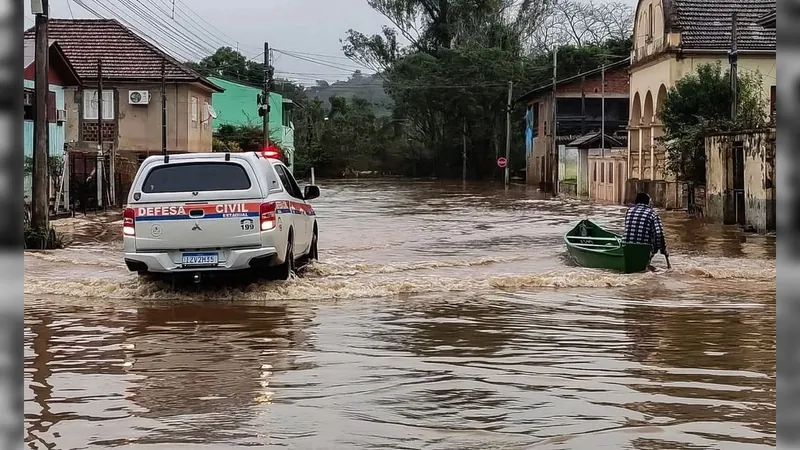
554 127
265 97
101 160
164 108
583 105
733 59
603 108
464 152
41 179
506 176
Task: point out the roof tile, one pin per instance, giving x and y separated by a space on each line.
706 24
124 54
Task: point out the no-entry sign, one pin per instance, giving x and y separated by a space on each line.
501 162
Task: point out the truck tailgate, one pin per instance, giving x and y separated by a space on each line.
196 226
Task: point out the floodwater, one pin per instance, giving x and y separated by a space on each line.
440 316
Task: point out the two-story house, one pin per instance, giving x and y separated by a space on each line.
132 71
580 103
237 107
671 39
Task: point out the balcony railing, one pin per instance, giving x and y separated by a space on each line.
653 47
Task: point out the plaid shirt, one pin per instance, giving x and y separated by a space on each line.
643 226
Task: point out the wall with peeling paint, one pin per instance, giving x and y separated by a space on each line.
758 171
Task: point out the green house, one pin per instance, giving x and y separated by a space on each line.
238 106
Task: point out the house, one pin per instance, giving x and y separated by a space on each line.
741 179
671 39
593 166
61 75
131 126
579 106
237 106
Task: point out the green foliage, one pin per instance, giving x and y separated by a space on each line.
42 239
55 166
699 104
456 70
230 64
409 118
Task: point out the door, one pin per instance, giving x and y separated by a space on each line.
300 216
738 182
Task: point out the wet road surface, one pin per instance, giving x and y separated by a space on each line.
439 317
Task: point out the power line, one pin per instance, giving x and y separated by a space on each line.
321 63
126 21
205 21
194 35
316 54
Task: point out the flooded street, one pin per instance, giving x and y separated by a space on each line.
439 316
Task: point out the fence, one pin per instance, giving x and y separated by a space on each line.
83 181
668 195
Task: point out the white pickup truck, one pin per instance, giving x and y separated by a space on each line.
201 212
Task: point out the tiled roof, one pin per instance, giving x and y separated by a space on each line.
706 24
593 138
125 55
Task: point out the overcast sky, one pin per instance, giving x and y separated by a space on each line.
304 26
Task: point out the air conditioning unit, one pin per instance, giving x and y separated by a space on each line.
61 115
139 97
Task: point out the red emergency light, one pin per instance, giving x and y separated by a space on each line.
272 152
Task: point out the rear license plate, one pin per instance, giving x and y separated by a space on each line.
200 259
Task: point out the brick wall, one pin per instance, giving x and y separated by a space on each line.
89 131
617 82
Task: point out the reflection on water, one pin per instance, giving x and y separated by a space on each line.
440 317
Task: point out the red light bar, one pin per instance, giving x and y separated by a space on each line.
271 152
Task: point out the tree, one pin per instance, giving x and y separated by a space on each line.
456 69
699 104
579 23
229 63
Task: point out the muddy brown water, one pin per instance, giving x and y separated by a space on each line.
440 316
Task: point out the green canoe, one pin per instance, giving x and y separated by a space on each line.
590 245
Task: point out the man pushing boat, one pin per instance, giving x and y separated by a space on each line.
644 226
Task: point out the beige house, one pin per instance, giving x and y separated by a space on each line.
131 123
671 39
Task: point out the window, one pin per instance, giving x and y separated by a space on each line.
288 182
650 21
194 111
30 110
610 172
196 177
535 119
594 172
602 172
90 104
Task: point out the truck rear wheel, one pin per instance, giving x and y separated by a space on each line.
313 252
285 270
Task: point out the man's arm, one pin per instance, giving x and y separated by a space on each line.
658 233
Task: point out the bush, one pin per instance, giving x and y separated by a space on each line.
41 239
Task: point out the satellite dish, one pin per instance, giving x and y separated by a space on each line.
211 112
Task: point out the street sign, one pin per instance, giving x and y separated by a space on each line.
501 162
